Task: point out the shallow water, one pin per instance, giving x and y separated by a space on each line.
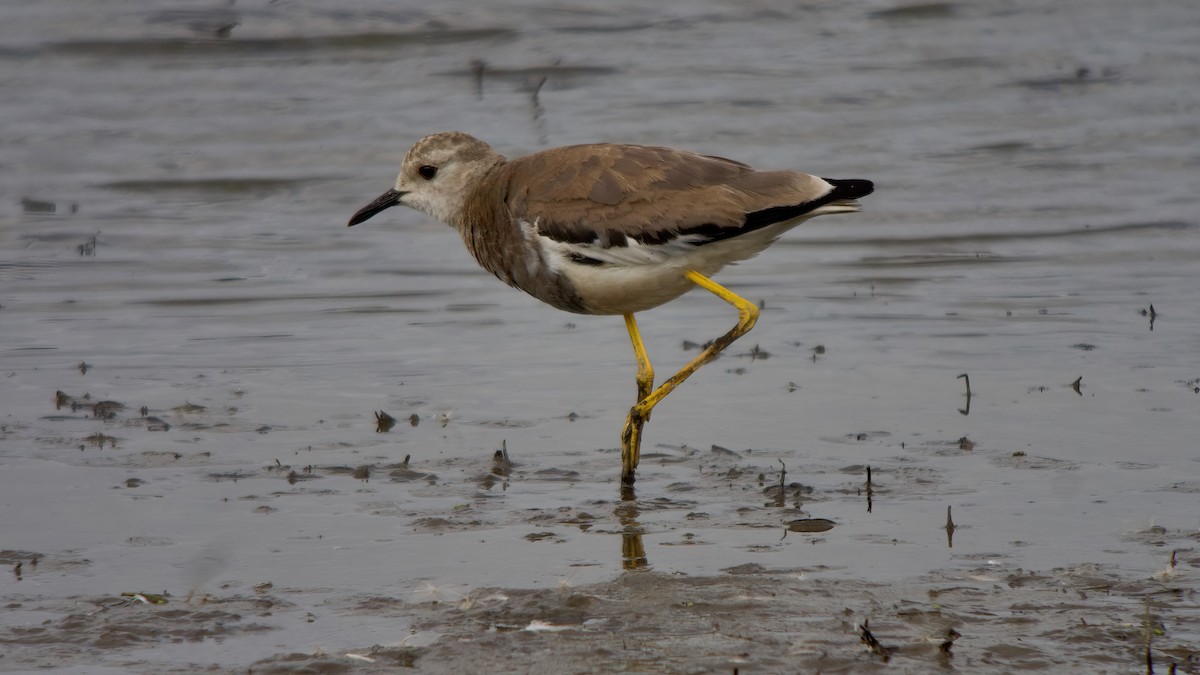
173 237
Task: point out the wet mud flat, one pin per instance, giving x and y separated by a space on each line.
748 619
751 619
983 612
236 436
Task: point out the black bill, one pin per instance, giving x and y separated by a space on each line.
385 200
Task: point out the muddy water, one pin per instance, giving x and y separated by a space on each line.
174 261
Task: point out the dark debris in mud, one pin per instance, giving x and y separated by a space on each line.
87 628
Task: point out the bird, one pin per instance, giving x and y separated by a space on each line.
612 229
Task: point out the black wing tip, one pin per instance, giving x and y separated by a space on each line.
850 188
844 189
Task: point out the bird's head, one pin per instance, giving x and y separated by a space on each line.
438 175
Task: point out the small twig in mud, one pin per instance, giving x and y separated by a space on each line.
873 643
1165 574
501 464
966 410
950 528
782 494
870 491
383 422
759 354
1150 314
948 643
88 248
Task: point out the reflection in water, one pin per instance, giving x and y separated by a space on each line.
539 121
633 551
477 68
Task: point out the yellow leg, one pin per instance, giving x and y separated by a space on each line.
645 373
631 436
645 385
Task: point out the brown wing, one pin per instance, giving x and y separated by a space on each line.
605 193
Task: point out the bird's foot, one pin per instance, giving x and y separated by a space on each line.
631 444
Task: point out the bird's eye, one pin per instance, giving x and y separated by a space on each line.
427 172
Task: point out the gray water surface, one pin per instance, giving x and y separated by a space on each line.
176 181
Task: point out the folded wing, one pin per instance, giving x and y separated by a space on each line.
612 196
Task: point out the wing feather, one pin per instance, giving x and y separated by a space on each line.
606 195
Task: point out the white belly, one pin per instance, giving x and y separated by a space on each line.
625 284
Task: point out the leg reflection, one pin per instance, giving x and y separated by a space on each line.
633 551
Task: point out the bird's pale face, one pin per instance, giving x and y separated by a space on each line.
438 174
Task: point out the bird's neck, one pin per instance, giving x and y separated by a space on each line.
501 246
489 231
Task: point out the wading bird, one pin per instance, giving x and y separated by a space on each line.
612 229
